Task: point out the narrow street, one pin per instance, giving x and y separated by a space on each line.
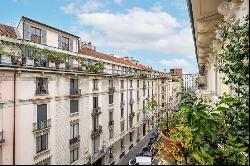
135 150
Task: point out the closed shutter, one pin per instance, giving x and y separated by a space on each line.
44 37
70 44
59 41
26 32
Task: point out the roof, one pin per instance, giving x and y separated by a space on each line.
37 22
7 31
96 54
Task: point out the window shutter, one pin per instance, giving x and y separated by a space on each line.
71 44
59 41
26 32
44 37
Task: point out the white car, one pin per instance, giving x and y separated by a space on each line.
141 160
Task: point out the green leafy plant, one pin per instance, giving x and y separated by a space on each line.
96 67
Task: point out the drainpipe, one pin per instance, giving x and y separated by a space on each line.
14 121
127 103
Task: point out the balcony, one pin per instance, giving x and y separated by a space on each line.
74 140
131 101
75 92
131 115
97 155
1 138
41 125
96 111
122 104
42 91
144 86
96 132
111 89
111 123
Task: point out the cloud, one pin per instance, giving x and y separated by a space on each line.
88 6
69 9
118 1
178 4
138 30
179 63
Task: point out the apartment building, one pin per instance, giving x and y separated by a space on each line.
65 114
189 82
204 16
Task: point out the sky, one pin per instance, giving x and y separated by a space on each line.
155 32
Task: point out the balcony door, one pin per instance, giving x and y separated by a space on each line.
73 84
41 112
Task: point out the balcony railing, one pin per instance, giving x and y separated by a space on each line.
97 155
111 89
131 115
122 104
1 137
111 123
41 125
96 132
144 86
74 140
75 92
131 101
96 111
41 91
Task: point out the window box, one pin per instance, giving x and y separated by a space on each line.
96 132
111 89
41 125
74 140
96 111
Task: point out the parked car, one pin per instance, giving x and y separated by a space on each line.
141 160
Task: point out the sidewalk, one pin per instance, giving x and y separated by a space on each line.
137 148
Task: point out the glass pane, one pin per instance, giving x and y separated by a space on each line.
41 112
38 144
71 156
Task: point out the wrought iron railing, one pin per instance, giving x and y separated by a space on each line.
41 125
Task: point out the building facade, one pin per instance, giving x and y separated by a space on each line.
204 16
189 82
65 113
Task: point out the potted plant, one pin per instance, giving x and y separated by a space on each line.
56 57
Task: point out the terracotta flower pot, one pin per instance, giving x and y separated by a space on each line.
170 144
57 65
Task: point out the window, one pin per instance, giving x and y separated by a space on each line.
74 155
143 105
96 144
122 112
162 104
111 133
111 83
41 143
65 43
110 116
131 135
41 112
35 35
148 92
131 108
122 126
95 84
138 132
73 106
111 99
111 152
144 92
95 102
137 95
122 97
74 130
122 84
131 94
122 143
162 97
95 122
138 117
131 83
73 84
41 85
138 83
152 83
